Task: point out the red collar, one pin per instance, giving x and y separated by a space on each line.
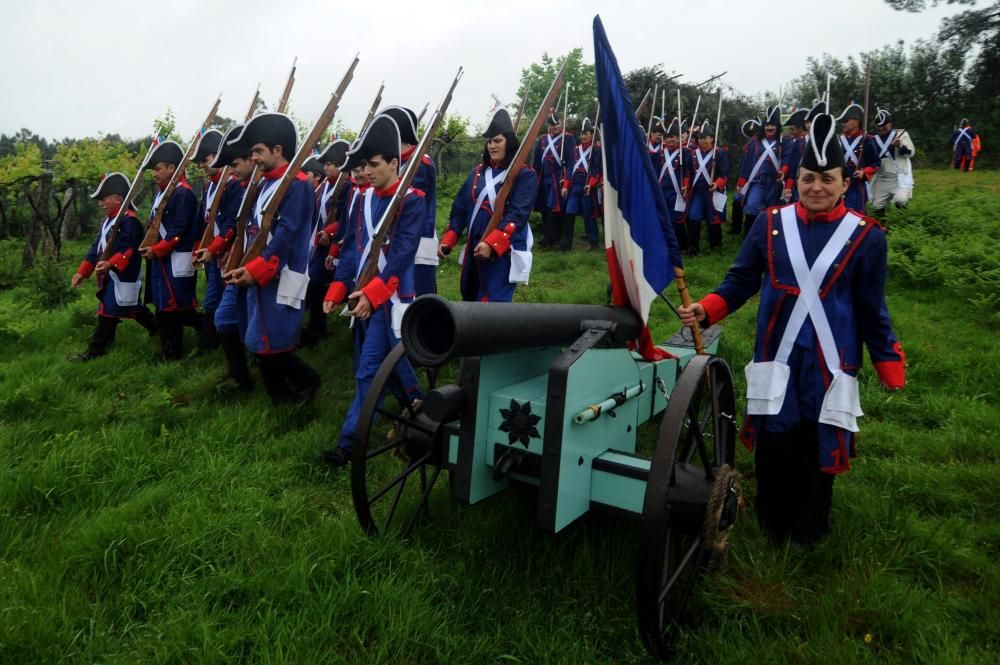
852 135
277 172
388 191
405 157
215 178
180 183
362 188
502 164
834 215
586 145
113 213
332 181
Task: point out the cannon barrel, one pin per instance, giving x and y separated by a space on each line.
435 330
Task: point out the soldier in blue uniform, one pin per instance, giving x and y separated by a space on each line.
208 338
860 157
379 304
708 171
751 131
760 178
271 298
674 180
961 142
426 260
119 279
552 151
327 234
654 146
492 266
171 274
581 188
821 270
793 152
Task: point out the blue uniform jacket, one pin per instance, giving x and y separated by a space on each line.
172 277
426 181
576 201
853 295
550 172
125 262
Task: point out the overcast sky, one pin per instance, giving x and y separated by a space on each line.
77 69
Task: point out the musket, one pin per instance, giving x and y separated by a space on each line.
694 119
520 112
680 148
373 108
213 211
562 144
868 84
295 164
593 145
642 104
235 255
709 80
420 116
387 222
521 156
126 203
153 232
652 112
829 107
715 148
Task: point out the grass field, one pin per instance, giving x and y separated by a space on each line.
144 517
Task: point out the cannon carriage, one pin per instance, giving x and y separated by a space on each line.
550 396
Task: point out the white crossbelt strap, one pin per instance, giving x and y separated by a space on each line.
324 198
767 154
884 146
654 148
551 147
849 148
963 134
105 230
267 191
490 181
668 167
369 227
152 212
210 191
703 166
584 160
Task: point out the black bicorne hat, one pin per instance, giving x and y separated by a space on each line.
773 116
818 107
797 118
685 126
749 127
882 116
587 126
822 151
228 152
406 120
674 129
168 152
500 123
335 153
313 165
964 122
273 128
657 126
381 137
208 145
853 111
111 183
707 130
554 118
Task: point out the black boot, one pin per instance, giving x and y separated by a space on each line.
146 319
566 233
208 336
680 230
274 378
236 359
104 335
171 335
303 380
693 238
738 219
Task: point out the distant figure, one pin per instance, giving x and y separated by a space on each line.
961 142
894 179
977 145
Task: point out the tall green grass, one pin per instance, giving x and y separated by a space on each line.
146 517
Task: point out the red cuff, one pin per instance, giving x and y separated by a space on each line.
784 169
120 260
716 308
164 247
789 183
592 181
331 228
869 171
892 373
565 183
220 244
263 271
336 293
740 183
334 250
379 292
686 182
450 239
86 269
720 184
500 240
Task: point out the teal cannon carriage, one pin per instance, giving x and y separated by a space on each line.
550 396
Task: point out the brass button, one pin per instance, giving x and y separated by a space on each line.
862 223
774 212
774 232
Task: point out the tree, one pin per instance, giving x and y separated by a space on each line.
965 29
537 77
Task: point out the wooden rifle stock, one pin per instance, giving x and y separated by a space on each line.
126 204
387 222
295 164
235 256
213 211
153 232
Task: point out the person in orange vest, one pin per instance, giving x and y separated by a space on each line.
977 145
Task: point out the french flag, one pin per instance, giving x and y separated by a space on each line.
641 247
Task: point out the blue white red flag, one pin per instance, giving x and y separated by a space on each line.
641 247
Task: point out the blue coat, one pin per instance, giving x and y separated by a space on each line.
578 202
765 189
853 296
551 172
961 142
273 309
126 268
172 277
681 157
866 154
491 280
426 181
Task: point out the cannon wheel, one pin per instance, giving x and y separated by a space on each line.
697 435
392 477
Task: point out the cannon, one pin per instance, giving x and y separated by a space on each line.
551 396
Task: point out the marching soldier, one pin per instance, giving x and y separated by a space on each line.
119 279
962 143
860 158
674 181
313 168
273 284
655 143
820 269
379 304
750 129
894 180
760 169
792 154
580 189
171 273
208 147
551 152
425 272
708 171
493 266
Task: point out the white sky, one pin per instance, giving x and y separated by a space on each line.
75 69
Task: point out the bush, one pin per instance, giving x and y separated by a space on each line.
49 286
10 263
